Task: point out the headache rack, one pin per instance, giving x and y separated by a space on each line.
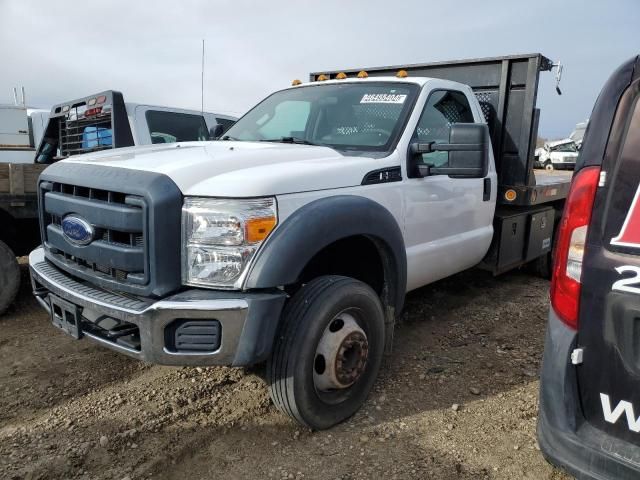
79 134
89 124
506 88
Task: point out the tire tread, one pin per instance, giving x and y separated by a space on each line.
281 384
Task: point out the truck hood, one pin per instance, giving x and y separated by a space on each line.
241 169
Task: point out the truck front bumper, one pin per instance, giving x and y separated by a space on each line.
241 324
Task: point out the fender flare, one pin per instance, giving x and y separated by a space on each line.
322 222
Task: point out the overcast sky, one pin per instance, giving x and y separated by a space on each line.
151 51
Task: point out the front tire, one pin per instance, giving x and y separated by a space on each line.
328 351
9 277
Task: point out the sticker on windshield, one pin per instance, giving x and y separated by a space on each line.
383 98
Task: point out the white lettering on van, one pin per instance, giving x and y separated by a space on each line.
623 406
629 284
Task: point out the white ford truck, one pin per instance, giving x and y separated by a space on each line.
294 237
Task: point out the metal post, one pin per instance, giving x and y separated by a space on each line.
202 81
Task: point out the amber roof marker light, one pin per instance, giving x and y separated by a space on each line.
341 76
402 74
363 74
296 82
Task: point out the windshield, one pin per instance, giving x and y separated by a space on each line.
351 116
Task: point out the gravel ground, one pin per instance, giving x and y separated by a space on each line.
457 400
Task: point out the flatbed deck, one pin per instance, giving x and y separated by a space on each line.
545 177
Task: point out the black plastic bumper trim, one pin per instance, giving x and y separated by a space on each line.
566 439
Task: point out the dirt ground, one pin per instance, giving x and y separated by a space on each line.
457 400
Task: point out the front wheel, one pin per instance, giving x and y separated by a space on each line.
328 351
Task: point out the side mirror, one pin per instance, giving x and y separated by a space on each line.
217 131
467 149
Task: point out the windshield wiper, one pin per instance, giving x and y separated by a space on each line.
296 140
227 137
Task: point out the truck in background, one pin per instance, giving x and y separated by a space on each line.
559 154
295 237
21 130
104 121
97 122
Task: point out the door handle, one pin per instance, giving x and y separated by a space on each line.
486 194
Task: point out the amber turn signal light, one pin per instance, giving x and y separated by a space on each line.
257 229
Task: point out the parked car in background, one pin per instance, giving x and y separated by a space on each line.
589 420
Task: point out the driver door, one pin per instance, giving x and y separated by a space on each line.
448 221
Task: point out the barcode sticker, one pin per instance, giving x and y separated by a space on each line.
383 98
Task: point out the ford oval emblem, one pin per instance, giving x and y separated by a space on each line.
77 230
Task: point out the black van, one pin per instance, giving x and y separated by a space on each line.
589 420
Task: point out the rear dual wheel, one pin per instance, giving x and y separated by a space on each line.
328 351
542 266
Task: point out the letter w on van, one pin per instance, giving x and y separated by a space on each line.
623 406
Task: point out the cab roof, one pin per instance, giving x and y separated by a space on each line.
421 81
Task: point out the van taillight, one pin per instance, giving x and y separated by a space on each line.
572 234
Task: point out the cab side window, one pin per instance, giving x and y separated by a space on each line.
443 108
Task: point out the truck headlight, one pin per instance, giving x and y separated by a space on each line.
221 236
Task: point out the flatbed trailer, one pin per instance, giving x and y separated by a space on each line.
528 203
19 205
